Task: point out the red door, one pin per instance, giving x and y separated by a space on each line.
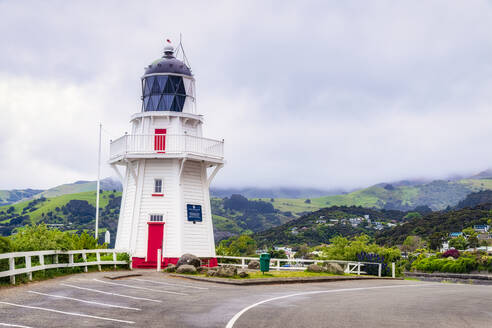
156 233
160 140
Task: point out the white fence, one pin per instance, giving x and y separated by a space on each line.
29 268
166 144
301 264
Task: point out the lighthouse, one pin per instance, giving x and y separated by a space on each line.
166 166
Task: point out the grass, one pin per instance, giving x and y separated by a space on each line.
285 274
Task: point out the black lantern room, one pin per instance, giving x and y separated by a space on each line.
163 88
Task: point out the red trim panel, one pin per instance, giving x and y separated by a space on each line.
157 195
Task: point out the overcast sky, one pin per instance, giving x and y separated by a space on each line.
324 94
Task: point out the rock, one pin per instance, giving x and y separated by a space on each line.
254 265
170 268
227 271
314 268
334 268
202 269
189 259
186 268
242 274
211 273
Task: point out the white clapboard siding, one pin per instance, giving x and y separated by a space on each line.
124 222
196 237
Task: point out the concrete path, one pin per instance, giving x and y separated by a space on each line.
154 300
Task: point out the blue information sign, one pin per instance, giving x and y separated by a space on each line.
194 213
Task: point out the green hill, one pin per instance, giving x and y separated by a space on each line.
438 195
11 196
108 184
73 212
320 226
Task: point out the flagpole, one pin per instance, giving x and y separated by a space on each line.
98 183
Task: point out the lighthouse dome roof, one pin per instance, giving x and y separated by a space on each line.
168 64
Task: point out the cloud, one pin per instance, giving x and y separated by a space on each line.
322 94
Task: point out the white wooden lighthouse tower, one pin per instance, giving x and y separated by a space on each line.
168 169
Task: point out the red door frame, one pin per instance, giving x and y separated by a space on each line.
154 242
160 140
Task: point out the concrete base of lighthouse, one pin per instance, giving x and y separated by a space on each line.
140 263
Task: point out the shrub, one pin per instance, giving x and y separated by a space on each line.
451 252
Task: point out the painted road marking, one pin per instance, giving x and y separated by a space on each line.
114 294
233 320
136 287
12 325
167 283
84 301
67 313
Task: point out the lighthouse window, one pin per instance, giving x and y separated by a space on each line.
158 186
156 218
163 93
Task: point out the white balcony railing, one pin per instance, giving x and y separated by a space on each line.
135 144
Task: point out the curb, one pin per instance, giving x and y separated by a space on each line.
465 276
121 276
280 280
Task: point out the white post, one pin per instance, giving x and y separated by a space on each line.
242 263
159 260
379 269
107 237
98 259
393 269
114 259
12 268
98 182
84 257
70 260
358 268
278 265
28 266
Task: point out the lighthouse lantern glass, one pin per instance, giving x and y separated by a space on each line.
163 93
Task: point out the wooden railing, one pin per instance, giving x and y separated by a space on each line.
353 267
29 268
134 144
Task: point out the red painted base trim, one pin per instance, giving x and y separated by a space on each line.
157 195
140 263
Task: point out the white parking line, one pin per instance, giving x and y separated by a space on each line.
233 320
12 325
113 294
84 301
136 287
67 313
166 283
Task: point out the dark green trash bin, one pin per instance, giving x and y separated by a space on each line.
265 262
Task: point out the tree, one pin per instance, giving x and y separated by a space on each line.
307 201
471 237
436 240
302 252
243 245
458 243
412 243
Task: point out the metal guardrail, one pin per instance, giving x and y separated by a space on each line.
301 264
29 269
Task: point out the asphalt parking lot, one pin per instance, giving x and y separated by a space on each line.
155 300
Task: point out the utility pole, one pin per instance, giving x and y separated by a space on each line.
98 182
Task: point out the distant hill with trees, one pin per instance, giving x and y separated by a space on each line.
320 226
